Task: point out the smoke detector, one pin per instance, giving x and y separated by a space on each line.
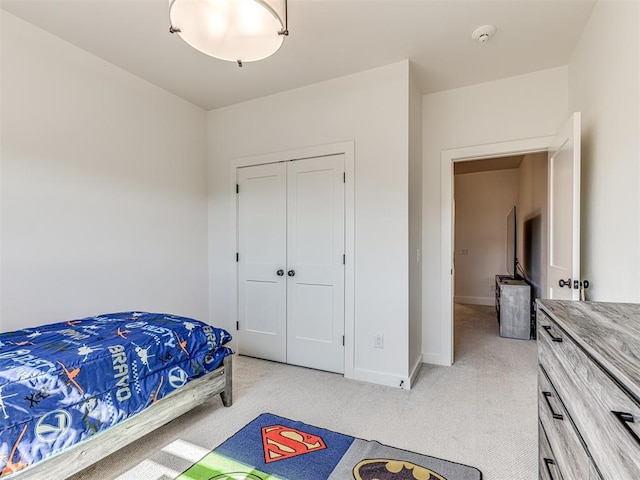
484 33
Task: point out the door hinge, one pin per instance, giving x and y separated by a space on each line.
343 340
237 257
344 177
344 259
237 325
237 188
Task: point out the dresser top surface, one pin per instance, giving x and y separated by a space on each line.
508 280
608 332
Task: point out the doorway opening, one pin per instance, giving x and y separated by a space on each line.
492 242
451 158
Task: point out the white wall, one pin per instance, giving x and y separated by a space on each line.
604 83
105 210
526 106
104 204
482 202
415 225
371 109
532 219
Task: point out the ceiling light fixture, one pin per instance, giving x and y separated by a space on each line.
234 30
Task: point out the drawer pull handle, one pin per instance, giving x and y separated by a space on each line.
547 328
547 462
547 396
626 419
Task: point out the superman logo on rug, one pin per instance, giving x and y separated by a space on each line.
280 442
276 448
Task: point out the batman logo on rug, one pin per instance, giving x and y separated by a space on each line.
385 469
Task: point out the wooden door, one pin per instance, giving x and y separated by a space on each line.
262 242
315 268
563 269
291 230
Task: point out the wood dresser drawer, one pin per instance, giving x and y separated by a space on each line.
547 465
593 473
569 453
606 416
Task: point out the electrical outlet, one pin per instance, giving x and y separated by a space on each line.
492 288
378 341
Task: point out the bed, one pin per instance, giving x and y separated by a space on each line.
72 393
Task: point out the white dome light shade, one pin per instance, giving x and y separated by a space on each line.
234 30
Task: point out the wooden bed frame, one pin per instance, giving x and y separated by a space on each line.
88 452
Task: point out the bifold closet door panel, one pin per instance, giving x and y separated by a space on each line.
315 249
262 257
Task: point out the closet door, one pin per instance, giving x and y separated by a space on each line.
262 243
315 270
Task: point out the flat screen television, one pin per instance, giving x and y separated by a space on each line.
512 225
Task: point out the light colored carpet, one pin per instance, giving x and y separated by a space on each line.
482 411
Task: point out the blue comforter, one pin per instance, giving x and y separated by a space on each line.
63 383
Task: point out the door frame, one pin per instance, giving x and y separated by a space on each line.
449 157
342 148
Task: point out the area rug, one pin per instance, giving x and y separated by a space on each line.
276 448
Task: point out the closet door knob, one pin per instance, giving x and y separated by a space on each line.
291 273
280 273
564 283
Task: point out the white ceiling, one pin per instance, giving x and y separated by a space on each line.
328 39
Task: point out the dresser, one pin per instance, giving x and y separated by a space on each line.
513 307
588 390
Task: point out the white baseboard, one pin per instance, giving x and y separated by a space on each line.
388 379
414 371
381 378
434 359
488 301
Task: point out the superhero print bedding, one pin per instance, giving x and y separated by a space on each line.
63 383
